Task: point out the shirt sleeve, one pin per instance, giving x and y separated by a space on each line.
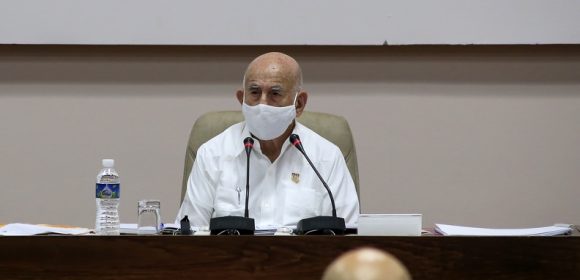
198 200
344 191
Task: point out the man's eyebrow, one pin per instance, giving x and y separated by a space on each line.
253 86
277 87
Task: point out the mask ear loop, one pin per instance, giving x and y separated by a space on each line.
244 89
296 98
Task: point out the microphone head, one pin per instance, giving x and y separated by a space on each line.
249 142
294 140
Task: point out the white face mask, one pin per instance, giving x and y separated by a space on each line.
268 122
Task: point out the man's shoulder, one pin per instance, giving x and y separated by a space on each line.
315 142
224 142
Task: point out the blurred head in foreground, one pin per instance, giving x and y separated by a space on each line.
366 264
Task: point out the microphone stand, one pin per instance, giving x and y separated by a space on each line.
320 225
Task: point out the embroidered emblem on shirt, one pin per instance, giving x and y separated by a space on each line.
296 178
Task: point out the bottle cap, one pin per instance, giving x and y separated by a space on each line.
108 163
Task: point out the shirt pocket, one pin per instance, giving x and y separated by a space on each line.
301 203
227 204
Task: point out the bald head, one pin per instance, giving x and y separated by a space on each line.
366 264
277 66
273 79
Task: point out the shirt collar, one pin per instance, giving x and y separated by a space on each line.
239 149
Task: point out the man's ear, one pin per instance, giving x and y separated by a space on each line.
240 96
301 101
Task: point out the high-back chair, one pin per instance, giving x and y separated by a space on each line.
334 128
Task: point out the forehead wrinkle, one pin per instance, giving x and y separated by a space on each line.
267 83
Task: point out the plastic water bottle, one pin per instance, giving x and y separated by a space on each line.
107 196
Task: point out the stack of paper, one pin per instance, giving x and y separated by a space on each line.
28 229
133 229
128 228
452 230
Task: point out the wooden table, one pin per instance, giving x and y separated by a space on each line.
281 257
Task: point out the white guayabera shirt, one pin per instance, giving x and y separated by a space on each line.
281 193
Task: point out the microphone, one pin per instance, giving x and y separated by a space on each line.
248 145
321 224
236 225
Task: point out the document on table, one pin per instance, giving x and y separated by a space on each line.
128 228
452 230
133 228
19 229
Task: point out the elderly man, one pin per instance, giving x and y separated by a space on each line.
366 264
283 187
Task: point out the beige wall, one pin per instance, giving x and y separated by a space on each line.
483 136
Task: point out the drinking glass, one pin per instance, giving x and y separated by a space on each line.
149 216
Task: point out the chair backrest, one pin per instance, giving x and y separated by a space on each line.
334 128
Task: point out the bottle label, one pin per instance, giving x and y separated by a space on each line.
108 190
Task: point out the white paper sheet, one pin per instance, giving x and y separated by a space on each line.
453 230
128 228
18 229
